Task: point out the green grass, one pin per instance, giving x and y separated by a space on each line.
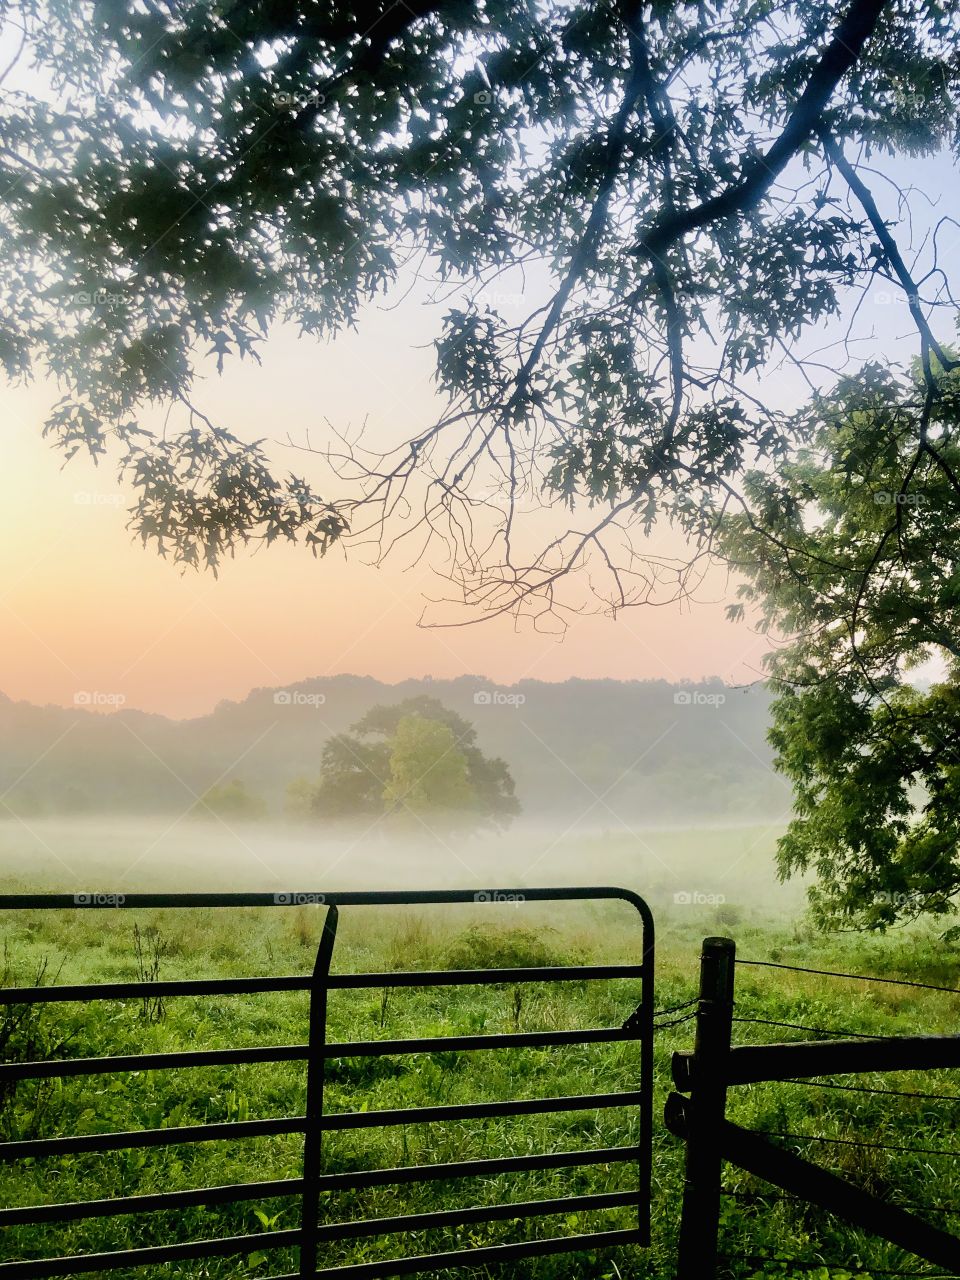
99 946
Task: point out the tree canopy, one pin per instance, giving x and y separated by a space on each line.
415 759
686 182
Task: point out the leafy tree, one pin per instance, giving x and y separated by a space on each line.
230 800
353 775
416 754
428 771
298 798
673 180
854 554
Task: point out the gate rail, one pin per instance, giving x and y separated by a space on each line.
316 1052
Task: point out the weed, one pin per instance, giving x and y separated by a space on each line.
150 948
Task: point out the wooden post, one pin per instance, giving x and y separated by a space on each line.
700 1217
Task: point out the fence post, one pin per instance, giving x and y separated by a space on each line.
700 1217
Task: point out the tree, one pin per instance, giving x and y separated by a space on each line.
685 186
230 800
853 553
689 189
298 798
428 771
416 755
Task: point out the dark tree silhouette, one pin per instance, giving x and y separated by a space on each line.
388 762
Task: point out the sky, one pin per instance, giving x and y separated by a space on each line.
86 609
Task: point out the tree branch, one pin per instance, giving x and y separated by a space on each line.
837 59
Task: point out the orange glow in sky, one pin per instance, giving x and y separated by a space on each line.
86 609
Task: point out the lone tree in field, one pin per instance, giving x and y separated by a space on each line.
415 759
637 214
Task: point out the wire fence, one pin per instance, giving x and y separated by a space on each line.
853 977
803 1264
775 1263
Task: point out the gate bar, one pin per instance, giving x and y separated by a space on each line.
314 1183
316 1070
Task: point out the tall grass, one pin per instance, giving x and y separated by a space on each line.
112 946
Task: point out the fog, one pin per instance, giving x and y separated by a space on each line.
697 866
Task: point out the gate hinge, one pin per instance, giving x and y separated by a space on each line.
633 1022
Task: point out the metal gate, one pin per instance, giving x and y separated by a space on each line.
310 1236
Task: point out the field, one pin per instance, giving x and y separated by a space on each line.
762 1234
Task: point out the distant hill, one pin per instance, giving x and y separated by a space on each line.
637 751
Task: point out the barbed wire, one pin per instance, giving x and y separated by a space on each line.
862 1088
781 1196
856 977
820 1031
857 1142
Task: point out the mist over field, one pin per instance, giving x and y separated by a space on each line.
668 789
704 870
599 752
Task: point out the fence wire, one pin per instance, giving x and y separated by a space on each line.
760 1198
864 1088
856 977
818 1031
801 1264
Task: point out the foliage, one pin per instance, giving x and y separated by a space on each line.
854 552
483 947
416 756
428 771
220 945
180 176
298 798
230 800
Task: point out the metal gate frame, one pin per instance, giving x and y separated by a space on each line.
310 1235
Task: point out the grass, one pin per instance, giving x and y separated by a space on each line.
103 946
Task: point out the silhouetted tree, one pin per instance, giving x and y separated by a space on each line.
853 556
416 755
